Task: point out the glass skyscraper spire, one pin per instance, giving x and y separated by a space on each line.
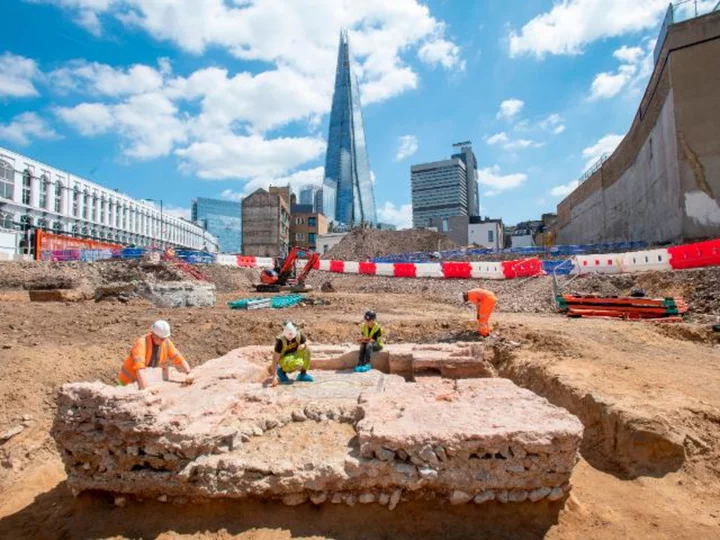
348 195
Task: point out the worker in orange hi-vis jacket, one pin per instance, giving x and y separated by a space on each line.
485 302
153 350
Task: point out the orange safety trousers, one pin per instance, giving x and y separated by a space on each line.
485 302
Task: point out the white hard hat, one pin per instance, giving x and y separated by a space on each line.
290 330
161 329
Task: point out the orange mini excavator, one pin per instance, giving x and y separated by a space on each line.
282 278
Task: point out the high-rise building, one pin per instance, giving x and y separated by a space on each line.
223 219
467 156
439 190
348 196
308 196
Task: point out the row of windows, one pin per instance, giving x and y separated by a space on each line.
310 237
311 221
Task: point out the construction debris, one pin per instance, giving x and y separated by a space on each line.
628 307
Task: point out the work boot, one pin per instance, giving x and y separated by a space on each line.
360 368
304 377
282 376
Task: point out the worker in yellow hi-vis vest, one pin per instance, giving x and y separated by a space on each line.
291 353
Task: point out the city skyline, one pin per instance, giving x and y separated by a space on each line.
155 111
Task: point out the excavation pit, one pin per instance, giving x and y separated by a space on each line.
352 438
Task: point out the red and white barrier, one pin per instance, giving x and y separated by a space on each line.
687 256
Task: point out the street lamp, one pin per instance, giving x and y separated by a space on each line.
162 235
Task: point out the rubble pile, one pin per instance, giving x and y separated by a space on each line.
363 244
346 438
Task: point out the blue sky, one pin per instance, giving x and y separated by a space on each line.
175 99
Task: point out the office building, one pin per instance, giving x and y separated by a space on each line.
467 156
349 196
439 190
222 219
34 195
266 223
308 196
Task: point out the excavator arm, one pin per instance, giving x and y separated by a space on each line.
313 258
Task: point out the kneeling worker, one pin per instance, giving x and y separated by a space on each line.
153 350
370 342
291 353
485 302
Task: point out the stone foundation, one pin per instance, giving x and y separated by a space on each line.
352 438
178 294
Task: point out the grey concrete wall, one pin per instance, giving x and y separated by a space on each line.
662 184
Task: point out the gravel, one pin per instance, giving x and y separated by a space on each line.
363 244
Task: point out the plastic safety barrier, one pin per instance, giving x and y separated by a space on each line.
246 262
598 264
429 270
457 270
337 267
367 268
406 270
487 270
643 261
522 268
695 255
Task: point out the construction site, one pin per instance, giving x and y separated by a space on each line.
552 426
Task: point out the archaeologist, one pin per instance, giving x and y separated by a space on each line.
291 353
371 341
153 350
485 302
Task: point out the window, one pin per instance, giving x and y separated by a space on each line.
57 227
25 223
58 196
86 205
445 224
42 224
27 187
44 191
325 248
7 180
94 208
311 238
6 221
491 236
299 221
299 236
76 202
312 222
103 211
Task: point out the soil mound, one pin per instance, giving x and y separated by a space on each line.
363 244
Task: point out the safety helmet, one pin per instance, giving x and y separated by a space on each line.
370 315
161 329
290 330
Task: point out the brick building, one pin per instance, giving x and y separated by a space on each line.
266 223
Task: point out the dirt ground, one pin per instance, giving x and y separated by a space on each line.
648 394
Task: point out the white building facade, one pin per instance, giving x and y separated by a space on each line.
488 233
35 195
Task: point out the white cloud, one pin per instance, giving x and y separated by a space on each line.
26 126
88 118
553 123
239 157
441 53
521 144
16 76
572 24
510 108
498 138
298 179
148 122
497 182
177 211
565 189
105 80
407 146
605 145
400 216
636 64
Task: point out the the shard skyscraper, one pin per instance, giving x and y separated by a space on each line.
348 195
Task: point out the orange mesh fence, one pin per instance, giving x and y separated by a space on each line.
47 244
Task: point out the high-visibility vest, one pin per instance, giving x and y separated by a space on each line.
141 355
485 302
286 343
371 332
